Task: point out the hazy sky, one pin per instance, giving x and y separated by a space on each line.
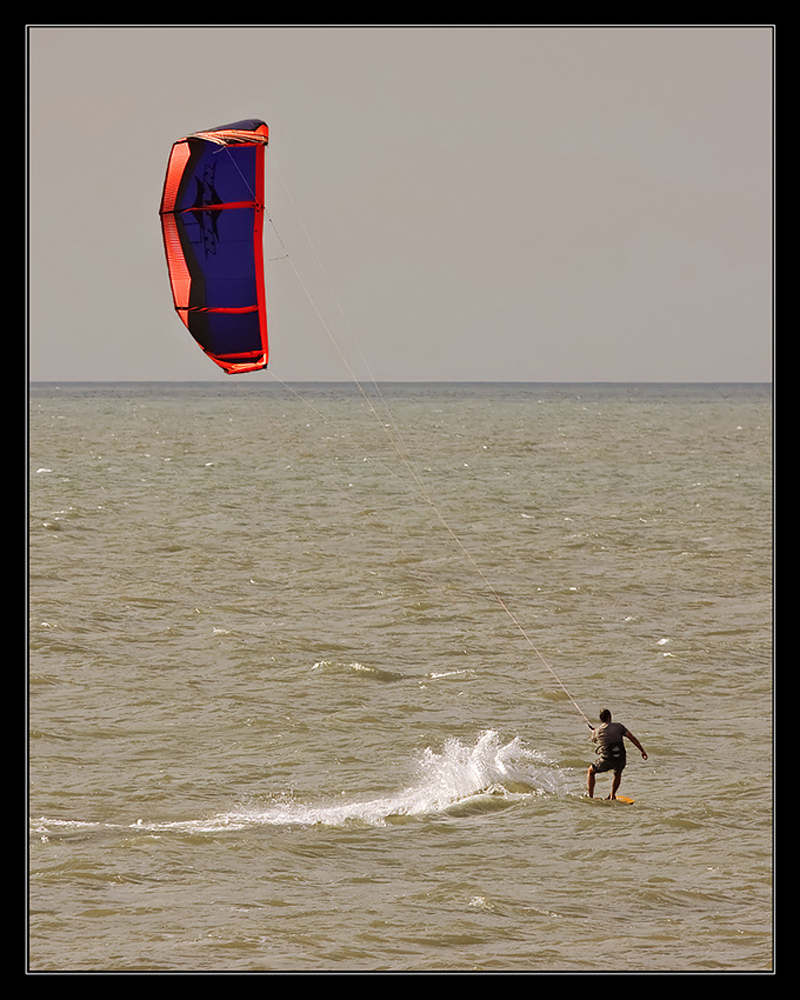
459 203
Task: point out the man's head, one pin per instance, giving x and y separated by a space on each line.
605 715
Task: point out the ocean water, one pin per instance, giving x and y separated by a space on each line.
308 671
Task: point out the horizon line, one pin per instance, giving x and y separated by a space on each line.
391 381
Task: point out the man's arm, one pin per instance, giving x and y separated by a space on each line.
636 743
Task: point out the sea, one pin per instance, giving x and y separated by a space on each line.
312 670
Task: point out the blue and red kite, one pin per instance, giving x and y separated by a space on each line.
211 216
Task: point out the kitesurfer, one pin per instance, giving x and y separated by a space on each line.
609 737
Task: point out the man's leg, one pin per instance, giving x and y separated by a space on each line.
615 784
590 781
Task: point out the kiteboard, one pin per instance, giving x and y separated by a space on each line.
618 798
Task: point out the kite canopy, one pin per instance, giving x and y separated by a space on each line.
211 217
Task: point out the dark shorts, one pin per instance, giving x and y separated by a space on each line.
609 760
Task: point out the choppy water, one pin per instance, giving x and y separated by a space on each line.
279 722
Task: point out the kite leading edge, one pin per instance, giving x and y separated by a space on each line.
211 213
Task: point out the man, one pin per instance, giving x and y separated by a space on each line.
609 737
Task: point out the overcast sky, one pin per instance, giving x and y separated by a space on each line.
458 203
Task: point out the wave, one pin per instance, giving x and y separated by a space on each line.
457 780
334 667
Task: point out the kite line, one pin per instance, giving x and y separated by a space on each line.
394 436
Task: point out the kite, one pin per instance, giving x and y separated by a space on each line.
212 210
